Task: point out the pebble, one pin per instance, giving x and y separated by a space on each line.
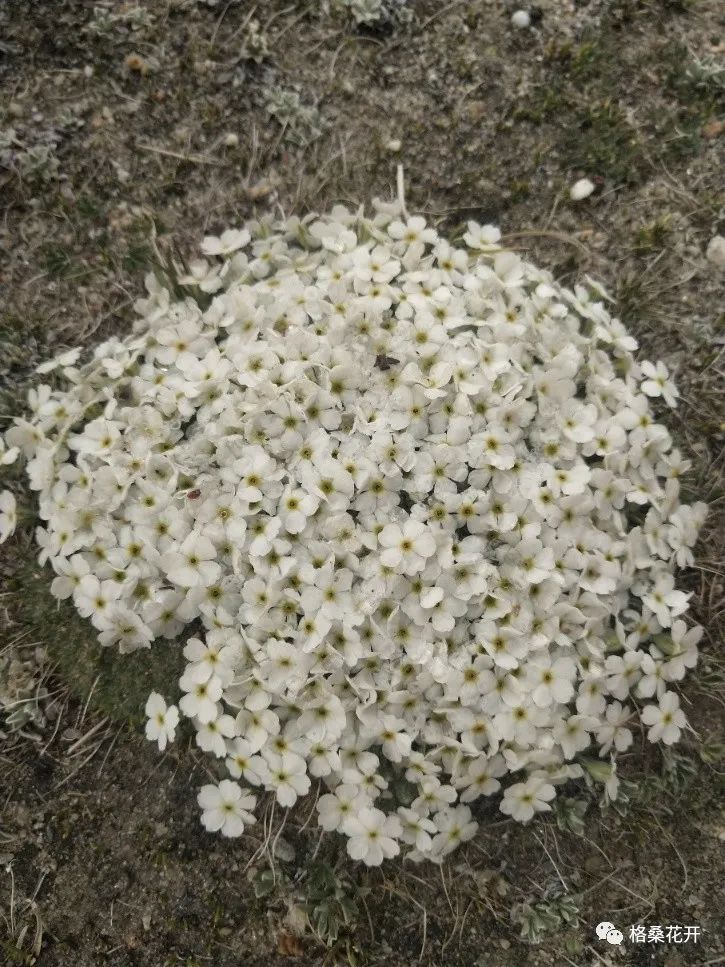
231 140
137 64
581 189
521 19
716 251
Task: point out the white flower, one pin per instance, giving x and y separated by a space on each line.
94 599
242 761
613 732
407 548
481 778
70 571
211 736
414 230
403 503
522 800
658 383
8 455
295 507
229 241
666 720
572 734
226 809
162 720
455 826
417 830
202 697
286 775
393 737
665 600
336 808
372 836
123 627
192 563
552 680
8 515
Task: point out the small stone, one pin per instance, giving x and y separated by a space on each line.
476 110
88 70
581 189
231 140
716 251
521 19
261 188
137 64
394 146
713 130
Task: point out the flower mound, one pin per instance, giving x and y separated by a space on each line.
413 500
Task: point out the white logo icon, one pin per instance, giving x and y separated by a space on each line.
607 931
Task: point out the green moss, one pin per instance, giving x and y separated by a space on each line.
122 682
603 142
519 190
56 260
582 62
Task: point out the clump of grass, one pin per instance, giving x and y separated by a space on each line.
604 142
691 78
23 924
653 236
23 346
581 62
255 43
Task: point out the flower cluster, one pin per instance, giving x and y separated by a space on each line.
414 501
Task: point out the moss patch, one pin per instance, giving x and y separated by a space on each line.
120 683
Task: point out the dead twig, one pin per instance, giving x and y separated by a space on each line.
195 159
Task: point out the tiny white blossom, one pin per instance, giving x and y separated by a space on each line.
402 502
8 515
229 241
226 809
162 720
372 836
665 720
522 800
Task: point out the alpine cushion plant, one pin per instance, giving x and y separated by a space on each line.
413 493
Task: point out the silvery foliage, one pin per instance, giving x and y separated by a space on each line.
371 12
412 494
